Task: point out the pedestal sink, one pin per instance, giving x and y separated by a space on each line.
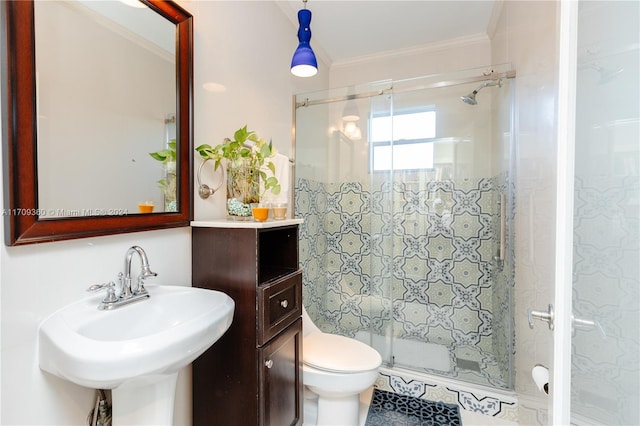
136 350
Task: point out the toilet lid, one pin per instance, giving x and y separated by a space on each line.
331 352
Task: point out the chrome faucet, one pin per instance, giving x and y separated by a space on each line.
127 290
127 293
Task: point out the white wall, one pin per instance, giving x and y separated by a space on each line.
246 46
526 35
437 58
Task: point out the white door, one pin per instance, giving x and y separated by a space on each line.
596 375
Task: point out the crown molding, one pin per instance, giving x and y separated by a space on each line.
415 50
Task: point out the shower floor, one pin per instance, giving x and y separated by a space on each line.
419 355
474 365
470 364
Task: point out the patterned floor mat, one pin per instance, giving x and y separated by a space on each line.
392 409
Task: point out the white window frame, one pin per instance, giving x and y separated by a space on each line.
387 146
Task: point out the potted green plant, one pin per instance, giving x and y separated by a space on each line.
167 157
245 158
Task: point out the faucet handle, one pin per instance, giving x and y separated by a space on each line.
111 291
140 288
97 287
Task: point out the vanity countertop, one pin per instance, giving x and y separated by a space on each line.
224 223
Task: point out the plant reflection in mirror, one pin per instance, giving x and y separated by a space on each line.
168 158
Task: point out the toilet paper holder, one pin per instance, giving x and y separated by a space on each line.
540 375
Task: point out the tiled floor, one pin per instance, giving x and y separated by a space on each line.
468 418
475 419
393 409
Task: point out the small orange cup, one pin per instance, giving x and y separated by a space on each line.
260 212
146 207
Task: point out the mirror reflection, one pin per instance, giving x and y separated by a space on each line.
106 108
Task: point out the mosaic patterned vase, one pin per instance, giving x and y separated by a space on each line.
243 188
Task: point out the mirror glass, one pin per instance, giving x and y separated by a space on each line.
105 99
90 90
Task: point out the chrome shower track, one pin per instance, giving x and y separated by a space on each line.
390 89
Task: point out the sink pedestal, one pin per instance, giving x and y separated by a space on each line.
145 401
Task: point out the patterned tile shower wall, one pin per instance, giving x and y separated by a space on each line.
415 258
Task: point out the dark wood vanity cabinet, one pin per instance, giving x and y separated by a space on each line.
253 374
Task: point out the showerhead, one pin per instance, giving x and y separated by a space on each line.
471 97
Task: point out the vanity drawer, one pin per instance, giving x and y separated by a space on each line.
279 305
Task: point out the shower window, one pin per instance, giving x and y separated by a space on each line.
402 142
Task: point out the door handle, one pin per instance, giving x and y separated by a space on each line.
583 324
542 316
576 323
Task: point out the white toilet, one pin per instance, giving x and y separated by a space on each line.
336 369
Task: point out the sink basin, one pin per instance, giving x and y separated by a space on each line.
154 337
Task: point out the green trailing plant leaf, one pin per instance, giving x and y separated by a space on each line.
166 156
248 148
265 150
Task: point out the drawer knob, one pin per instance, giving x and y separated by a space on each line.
284 303
268 363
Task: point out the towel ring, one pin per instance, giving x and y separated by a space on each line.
204 191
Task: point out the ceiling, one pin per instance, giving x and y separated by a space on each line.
345 30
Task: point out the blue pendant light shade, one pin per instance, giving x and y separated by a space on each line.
303 63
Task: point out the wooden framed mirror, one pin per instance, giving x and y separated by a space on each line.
33 189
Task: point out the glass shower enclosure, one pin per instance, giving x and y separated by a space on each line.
406 191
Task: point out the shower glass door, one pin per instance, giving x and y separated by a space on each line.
605 348
407 204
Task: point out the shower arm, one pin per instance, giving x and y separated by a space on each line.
496 82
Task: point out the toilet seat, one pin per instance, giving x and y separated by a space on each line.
334 353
